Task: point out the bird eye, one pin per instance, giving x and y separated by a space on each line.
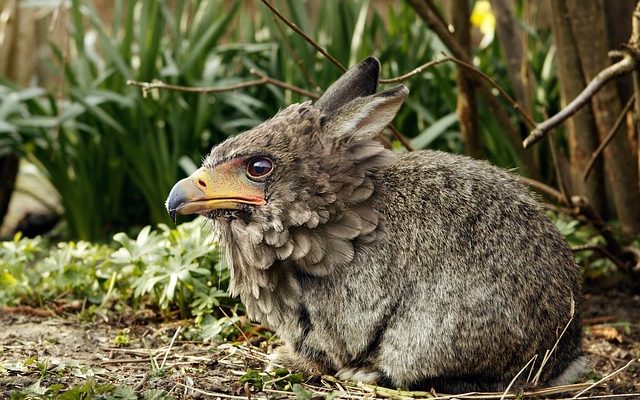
259 167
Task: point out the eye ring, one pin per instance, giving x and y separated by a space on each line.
259 168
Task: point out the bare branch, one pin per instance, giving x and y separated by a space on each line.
545 189
627 64
157 84
608 138
429 14
601 250
264 79
304 36
499 88
296 56
416 71
284 85
401 138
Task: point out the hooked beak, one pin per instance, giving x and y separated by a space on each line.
206 190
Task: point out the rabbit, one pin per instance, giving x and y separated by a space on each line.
417 270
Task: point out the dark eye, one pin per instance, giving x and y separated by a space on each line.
259 167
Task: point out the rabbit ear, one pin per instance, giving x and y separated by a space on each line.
365 117
359 81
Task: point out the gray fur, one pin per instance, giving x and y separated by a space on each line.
415 270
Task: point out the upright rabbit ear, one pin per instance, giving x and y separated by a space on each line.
365 117
359 81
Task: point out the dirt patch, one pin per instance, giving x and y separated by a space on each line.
140 356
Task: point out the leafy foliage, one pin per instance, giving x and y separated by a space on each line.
172 268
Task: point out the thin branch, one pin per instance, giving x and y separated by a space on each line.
284 85
601 250
608 138
296 56
627 64
304 36
416 71
157 84
428 12
606 378
264 79
495 84
545 189
516 106
401 138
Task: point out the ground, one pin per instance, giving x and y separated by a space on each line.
138 355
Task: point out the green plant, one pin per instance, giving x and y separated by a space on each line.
111 153
170 268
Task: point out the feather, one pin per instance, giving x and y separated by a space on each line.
283 252
276 238
316 253
301 245
362 192
363 151
348 227
339 252
369 219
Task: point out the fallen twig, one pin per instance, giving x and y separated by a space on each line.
606 378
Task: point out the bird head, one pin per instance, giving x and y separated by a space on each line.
298 187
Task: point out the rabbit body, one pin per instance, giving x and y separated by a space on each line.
460 300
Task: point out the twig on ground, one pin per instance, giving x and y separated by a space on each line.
213 394
608 138
166 354
626 65
606 378
549 353
515 378
144 380
246 339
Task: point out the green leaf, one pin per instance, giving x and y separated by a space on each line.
434 131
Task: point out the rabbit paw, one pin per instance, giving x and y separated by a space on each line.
358 375
285 357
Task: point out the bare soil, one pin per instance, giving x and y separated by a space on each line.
64 350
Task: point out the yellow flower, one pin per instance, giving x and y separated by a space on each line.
483 19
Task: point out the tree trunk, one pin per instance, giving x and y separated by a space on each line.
581 132
590 33
466 108
511 36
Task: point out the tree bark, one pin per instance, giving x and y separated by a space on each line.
618 32
581 132
466 107
590 33
511 36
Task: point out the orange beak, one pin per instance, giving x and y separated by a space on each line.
224 187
